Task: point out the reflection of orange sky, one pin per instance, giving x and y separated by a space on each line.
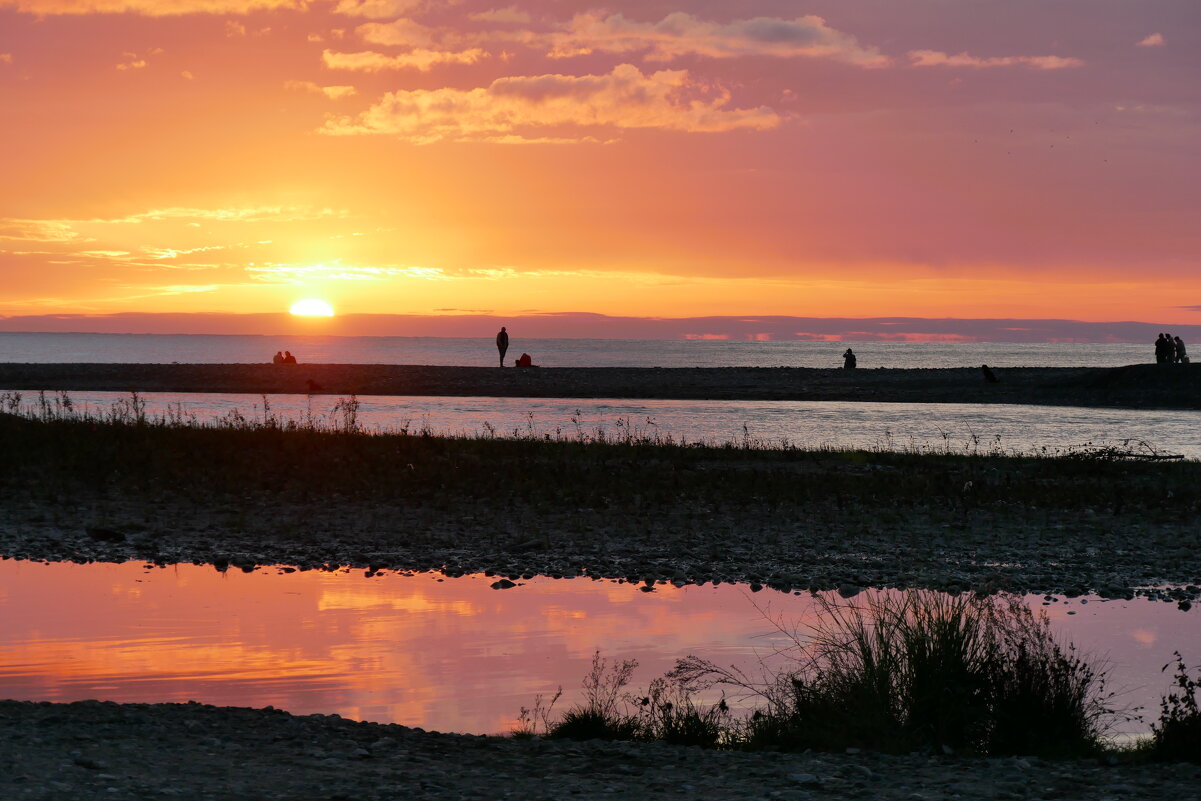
451 655
448 655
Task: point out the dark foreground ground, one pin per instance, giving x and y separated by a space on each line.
790 519
1134 386
135 752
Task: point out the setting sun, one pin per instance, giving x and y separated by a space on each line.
312 307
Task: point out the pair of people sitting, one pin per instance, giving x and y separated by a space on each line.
285 357
524 361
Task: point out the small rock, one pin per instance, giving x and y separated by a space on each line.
503 584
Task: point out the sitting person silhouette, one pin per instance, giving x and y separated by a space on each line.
989 375
525 361
289 358
278 358
848 360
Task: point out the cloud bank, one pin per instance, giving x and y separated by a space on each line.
623 98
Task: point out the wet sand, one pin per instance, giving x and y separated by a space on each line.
1133 386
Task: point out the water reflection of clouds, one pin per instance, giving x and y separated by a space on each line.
450 655
1144 636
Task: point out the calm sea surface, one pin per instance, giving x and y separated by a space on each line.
449 655
212 349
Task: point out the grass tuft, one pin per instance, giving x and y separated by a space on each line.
1177 735
899 672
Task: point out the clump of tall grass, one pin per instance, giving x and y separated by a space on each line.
925 670
1177 735
896 672
600 716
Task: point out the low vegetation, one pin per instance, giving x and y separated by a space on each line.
65 451
1176 737
894 672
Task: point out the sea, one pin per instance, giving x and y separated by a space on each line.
963 428
448 351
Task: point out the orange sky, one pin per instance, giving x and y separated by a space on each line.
850 158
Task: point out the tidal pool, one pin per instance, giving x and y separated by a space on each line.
443 654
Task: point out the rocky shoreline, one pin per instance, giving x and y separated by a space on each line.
1133 386
134 752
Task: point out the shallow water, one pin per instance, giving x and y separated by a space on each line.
443 654
957 427
238 349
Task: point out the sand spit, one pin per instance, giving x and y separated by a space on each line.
1134 386
133 752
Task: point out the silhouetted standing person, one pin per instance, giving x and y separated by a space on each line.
1162 347
848 360
1181 353
502 344
989 375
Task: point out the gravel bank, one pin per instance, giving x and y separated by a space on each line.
1135 386
134 752
791 520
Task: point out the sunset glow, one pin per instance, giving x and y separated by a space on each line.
311 307
834 158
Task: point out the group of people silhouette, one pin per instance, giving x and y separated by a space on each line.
1170 350
285 357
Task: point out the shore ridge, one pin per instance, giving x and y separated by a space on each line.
1132 386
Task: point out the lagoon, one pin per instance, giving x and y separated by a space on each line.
439 653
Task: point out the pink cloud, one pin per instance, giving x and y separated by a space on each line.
680 34
623 98
375 9
1153 40
148 8
332 92
419 59
936 58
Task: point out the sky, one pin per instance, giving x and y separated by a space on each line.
983 159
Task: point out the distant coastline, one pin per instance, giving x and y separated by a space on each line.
1133 386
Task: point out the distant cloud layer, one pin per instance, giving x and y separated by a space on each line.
681 34
934 58
420 59
149 8
622 98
